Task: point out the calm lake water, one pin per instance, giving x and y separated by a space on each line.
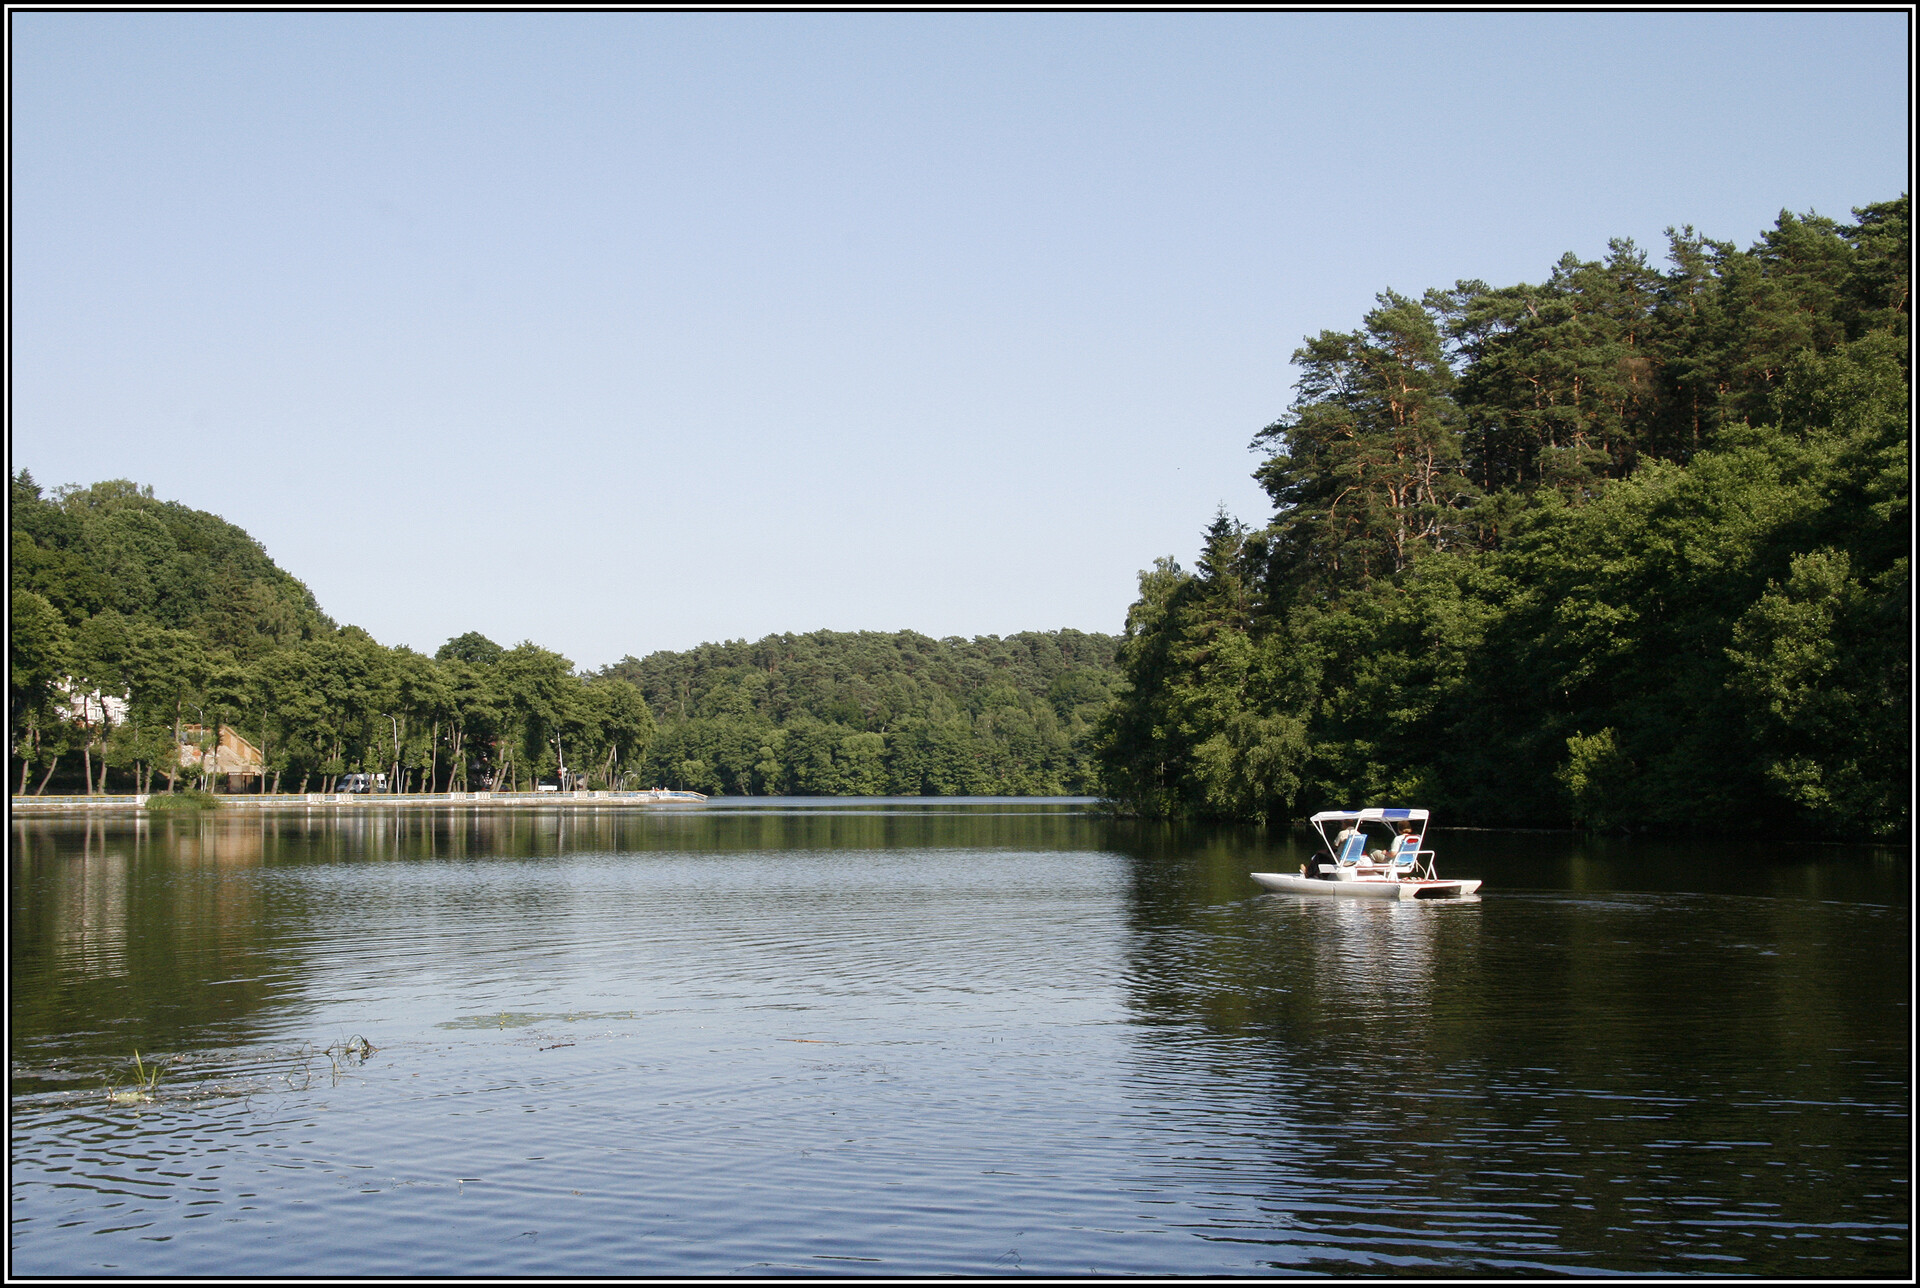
973 1037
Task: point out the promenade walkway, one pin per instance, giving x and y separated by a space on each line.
359 800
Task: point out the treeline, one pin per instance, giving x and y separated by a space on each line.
865 713
138 624
1627 548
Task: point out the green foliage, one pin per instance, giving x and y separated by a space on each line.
190 801
181 616
1364 470
1821 659
138 1086
1559 385
114 546
1599 780
1660 577
865 713
40 652
472 647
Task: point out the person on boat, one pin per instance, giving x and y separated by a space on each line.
1322 866
1347 833
1402 831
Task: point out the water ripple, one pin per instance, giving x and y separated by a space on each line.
1033 1053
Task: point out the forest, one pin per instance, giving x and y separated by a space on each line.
1625 549
864 713
137 625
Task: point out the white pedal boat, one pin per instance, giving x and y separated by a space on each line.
1397 869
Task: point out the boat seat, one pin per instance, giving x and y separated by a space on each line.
1354 850
1406 853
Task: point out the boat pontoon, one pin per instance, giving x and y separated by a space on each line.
1397 868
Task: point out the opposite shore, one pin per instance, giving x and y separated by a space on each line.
308 800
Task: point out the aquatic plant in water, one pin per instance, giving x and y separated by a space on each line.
140 1091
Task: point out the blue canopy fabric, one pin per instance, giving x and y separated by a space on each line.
1373 815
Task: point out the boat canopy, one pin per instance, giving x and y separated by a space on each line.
1369 815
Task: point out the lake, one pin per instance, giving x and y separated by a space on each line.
981 1037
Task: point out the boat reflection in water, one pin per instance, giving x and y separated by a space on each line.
1515 1085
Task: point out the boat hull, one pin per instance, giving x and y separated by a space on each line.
1365 887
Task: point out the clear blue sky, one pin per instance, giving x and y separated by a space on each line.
621 332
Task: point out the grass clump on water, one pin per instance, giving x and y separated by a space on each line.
190 799
140 1090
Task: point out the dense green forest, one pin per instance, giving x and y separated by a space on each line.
184 619
836 714
1626 548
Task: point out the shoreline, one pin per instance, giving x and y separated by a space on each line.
357 800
